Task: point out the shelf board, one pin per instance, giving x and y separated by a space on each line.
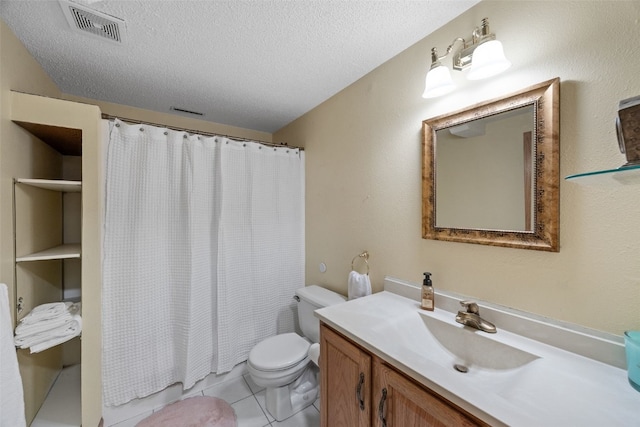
66 141
62 406
53 184
625 175
59 252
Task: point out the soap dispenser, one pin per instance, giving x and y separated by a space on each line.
428 300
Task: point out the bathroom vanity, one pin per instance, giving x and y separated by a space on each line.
384 395
386 362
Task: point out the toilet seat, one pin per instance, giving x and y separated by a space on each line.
279 353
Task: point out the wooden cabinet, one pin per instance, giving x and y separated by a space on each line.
360 389
57 136
402 402
43 213
345 384
39 277
62 249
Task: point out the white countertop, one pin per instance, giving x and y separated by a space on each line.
558 388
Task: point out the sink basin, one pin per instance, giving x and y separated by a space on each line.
436 336
468 347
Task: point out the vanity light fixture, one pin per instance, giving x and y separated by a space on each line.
483 53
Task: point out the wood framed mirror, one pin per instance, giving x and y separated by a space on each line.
490 172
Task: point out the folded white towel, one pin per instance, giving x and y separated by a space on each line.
45 312
46 323
54 341
359 285
11 392
68 330
42 326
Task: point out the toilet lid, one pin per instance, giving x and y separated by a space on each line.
279 352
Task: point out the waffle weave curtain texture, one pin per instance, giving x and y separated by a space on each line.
203 251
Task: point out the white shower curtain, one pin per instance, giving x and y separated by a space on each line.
203 251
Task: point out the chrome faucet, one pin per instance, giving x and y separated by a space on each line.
470 316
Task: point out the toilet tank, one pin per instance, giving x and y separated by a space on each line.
312 298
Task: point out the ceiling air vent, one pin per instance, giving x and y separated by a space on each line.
182 110
94 23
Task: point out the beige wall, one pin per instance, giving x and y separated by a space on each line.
364 167
154 117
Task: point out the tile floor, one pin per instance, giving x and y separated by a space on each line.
247 399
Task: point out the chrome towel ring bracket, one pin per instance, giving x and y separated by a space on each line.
365 256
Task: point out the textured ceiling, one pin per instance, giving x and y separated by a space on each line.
254 64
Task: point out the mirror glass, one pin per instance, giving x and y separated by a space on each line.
498 197
491 172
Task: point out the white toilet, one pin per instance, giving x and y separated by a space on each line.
282 363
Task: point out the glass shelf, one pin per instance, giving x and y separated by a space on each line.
625 175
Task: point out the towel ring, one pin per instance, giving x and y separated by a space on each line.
365 256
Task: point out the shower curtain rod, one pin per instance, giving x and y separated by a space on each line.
197 132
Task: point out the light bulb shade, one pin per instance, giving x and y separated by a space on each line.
438 82
488 60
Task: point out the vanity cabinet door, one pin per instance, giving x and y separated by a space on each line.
345 387
402 403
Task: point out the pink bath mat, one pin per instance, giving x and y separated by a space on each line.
193 412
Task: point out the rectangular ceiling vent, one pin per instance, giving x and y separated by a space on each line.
184 111
94 23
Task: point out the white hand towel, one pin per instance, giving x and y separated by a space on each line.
11 393
54 341
45 324
359 285
45 312
42 326
70 329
